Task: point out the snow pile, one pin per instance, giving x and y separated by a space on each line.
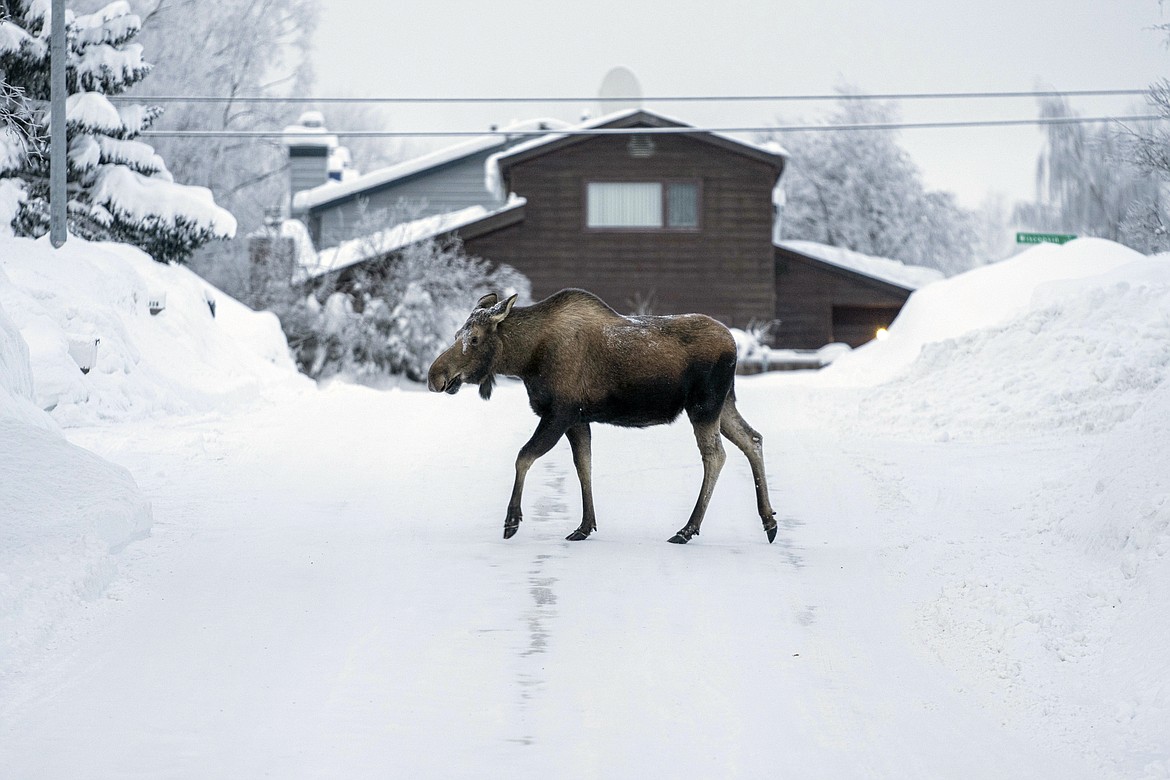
982 298
200 351
16 385
64 512
1054 366
1057 337
1056 599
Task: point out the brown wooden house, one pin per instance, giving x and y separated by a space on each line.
667 220
657 222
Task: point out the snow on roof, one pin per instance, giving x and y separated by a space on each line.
493 179
298 135
309 130
331 191
392 239
909 277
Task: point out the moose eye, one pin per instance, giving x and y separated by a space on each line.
475 341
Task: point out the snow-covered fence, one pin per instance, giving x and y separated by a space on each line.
754 357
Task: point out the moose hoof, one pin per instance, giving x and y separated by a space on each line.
510 530
770 527
678 539
577 536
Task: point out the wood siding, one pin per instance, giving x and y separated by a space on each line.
725 269
807 293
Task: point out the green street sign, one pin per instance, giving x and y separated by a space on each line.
1043 238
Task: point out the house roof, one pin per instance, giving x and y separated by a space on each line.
468 222
333 191
884 271
497 165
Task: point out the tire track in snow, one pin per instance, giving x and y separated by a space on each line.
542 610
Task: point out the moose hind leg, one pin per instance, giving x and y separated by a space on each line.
547 433
711 448
580 440
751 443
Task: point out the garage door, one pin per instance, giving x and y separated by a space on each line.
855 325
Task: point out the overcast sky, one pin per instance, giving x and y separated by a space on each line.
540 48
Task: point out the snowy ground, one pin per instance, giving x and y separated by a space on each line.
972 576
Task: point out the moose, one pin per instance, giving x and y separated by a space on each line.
582 362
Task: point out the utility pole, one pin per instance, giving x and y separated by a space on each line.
57 149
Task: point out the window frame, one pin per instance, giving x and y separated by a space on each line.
664 184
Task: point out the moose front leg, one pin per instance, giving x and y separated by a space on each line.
548 433
580 439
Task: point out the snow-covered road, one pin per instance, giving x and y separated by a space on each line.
326 594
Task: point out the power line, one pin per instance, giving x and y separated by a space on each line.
651 99
601 131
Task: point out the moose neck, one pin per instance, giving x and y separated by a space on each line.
519 336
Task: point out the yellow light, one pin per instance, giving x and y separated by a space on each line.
882 334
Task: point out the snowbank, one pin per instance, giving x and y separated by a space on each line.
202 350
1056 362
986 297
16 386
64 512
1081 355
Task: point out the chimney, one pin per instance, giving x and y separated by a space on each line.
309 145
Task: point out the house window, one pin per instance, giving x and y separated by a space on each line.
682 205
642 205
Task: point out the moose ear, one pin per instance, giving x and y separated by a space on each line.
502 310
487 300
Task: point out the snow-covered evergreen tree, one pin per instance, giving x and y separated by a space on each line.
119 189
243 48
17 129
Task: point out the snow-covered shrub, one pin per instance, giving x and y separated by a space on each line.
394 316
119 188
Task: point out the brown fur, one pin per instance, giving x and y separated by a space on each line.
582 362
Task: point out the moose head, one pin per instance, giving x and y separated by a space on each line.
472 358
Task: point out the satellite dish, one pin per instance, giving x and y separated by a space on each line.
620 91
